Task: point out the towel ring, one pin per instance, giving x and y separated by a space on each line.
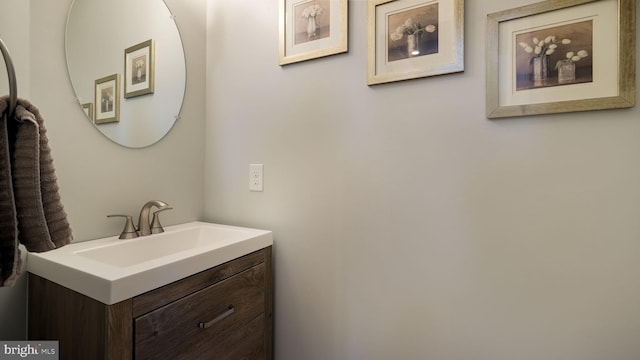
13 87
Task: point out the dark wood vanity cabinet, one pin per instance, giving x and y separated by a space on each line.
225 312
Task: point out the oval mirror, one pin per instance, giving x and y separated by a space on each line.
127 67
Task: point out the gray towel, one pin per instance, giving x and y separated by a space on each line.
31 212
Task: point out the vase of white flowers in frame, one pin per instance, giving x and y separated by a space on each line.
540 51
310 13
413 45
540 68
414 31
139 68
567 67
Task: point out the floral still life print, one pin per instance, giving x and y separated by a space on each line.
413 33
554 56
312 21
139 74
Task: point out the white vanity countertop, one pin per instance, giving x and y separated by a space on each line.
111 270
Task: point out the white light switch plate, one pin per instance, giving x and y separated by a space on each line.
255 177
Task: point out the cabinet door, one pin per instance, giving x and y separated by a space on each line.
193 326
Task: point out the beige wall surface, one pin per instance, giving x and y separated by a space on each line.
407 225
96 176
14 32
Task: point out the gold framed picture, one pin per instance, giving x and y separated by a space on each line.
107 99
139 69
561 56
311 29
409 39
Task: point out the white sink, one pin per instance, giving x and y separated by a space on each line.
111 270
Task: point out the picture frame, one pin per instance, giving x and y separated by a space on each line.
139 69
311 29
410 39
88 110
107 99
553 57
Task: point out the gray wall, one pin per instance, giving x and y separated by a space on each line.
14 31
407 225
96 176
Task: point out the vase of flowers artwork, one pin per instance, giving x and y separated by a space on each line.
554 56
413 45
311 13
139 71
540 70
567 67
413 31
540 51
311 27
566 71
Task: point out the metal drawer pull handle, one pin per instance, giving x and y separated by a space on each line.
218 318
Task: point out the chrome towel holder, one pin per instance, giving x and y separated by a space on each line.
13 87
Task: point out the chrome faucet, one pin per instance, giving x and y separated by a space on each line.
144 226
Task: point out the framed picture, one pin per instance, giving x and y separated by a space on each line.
139 69
409 39
107 102
88 110
311 29
561 56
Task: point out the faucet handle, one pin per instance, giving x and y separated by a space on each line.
129 231
156 228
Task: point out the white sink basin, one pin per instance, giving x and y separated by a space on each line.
111 270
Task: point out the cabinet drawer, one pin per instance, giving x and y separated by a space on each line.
157 298
246 343
182 329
